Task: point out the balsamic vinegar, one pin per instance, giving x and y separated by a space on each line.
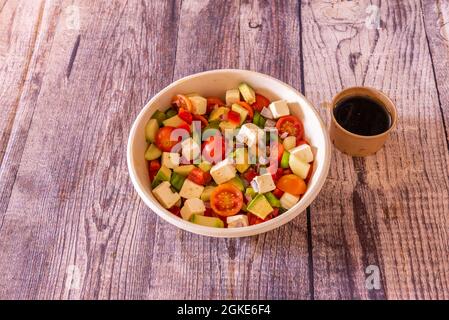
362 116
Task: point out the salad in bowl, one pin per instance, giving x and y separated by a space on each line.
228 161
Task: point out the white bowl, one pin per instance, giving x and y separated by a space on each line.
215 83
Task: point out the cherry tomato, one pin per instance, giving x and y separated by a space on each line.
260 103
292 184
163 139
181 101
199 176
226 200
247 107
212 102
249 175
234 117
185 115
277 193
214 149
186 127
291 125
203 120
275 212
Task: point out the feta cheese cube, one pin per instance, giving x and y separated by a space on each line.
165 195
199 104
191 190
232 96
223 171
264 183
190 149
279 108
192 206
249 134
288 200
303 153
237 221
170 160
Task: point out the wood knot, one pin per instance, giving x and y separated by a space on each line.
254 25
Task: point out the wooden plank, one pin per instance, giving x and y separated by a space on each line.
270 266
436 24
388 210
72 211
20 24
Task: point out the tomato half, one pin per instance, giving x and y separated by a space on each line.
214 149
163 139
226 200
212 102
199 176
181 101
249 175
291 125
247 107
260 103
185 115
292 184
234 117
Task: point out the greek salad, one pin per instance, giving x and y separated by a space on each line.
227 163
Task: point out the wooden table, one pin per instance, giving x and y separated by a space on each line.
74 75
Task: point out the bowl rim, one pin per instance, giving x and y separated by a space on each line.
272 224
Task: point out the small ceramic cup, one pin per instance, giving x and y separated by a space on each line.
354 144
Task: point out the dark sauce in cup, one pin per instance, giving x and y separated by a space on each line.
362 116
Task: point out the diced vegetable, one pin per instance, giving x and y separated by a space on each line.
285 160
298 167
152 152
274 202
174 121
170 113
184 170
247 93
150 130
205 166
241 111
289 143
236 181
292 184
177 181
207 221
205 196
159 116
217 113
260 206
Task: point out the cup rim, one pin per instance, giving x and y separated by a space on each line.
334 102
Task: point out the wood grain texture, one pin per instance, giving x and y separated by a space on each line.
74 75
436 24
388 210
